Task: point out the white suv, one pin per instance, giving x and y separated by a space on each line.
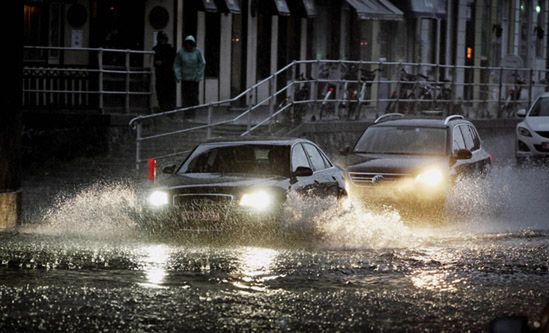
533 132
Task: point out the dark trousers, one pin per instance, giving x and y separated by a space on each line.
165 92
189 95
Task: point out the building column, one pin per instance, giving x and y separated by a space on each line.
200 43
514 20
274 44
178 43
459 78
225 57
303 46
480 18
10 119
251 47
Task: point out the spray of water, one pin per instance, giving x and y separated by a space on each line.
100 210
507 200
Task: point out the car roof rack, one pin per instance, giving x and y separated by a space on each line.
452 117
387 116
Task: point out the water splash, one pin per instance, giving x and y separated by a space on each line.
99 210
508 200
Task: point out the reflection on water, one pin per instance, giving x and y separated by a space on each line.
155 264
256 267
437 281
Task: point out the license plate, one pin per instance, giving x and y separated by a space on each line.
198 215
545 145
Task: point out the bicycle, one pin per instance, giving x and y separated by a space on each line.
298 111
367 78
512 97
407 86
433 95
327 90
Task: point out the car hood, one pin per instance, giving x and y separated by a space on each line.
537 124
388 163
218 181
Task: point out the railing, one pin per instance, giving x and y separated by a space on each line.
333 89
114 73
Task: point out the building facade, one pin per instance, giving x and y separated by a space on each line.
244 41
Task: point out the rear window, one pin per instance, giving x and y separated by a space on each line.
402 140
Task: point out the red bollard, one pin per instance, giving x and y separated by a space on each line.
151 170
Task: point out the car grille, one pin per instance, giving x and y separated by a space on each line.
541 149
545 134
372 179
197 201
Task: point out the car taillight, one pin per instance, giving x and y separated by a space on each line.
491 157
151 170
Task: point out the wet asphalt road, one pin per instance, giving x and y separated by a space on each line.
86 266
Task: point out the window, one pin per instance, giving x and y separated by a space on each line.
299 159
476 138
541 108
458 142
327 162
264 28
316 159
467 137
402 140
212 45
239 159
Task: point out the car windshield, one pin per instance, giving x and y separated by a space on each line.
239 159
541 109
402 140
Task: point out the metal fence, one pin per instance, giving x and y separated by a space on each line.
314 90
104 78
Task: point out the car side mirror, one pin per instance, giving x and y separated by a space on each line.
303 171
521 113
170 169
463 154
345 151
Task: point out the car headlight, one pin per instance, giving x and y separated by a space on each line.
258 200
158 199
523 131
431 177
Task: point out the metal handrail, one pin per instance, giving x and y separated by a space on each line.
216 103
333 74
61 48
100 70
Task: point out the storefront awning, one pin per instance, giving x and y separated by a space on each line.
310 8
376 10
228 6
302 8
209 6
424 8
282 7
270 7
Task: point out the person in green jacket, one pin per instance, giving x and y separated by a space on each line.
188 68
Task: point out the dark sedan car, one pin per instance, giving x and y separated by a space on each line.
413 161
234 179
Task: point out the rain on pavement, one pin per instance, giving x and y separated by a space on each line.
86 265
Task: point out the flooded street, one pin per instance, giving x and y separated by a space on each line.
87 266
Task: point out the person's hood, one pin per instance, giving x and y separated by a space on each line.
190 38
